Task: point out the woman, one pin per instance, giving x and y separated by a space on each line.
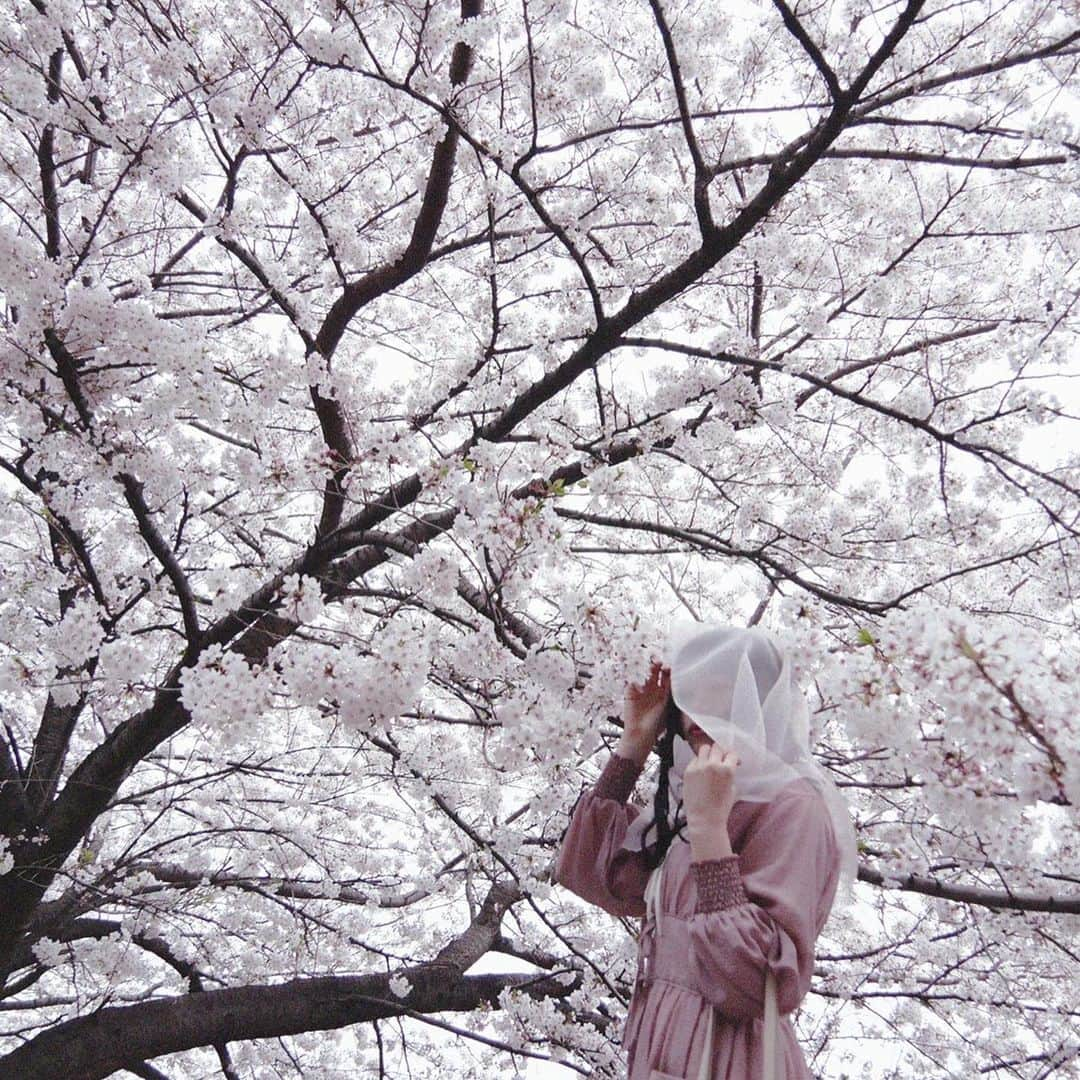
753 841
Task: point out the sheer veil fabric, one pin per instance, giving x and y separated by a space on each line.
737 685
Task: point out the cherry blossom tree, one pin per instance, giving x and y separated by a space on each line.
381 378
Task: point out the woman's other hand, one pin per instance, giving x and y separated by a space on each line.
643 713
708 795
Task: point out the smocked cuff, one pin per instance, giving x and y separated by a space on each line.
719 884
618 779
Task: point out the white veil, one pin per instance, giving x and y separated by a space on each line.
737 686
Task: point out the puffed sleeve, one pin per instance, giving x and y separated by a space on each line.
592 861
765 906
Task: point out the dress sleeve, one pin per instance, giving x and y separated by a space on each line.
764 907
592 861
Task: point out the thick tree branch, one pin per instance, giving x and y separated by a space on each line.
38 786
177 876
798 31
972 894
382 281
133 492
702 174
863 112
115 1038
47 162
68 370
878 153
14 806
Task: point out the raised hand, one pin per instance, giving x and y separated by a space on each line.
643 713
708 795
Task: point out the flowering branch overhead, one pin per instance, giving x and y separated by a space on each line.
380 381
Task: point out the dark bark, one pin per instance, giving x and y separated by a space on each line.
127 1036
997 899
97 779
120 1037
382 281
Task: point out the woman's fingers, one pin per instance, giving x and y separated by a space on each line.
724 755
658 675
643 705
713 754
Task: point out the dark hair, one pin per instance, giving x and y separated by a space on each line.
665 748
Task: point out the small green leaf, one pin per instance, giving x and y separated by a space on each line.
864 636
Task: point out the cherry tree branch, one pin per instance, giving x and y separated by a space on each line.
701 172
116 1037
95 781
983 451
877 153
863 112
996 899
177 877
381 281
133 492
798 31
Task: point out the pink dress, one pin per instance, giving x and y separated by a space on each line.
722 921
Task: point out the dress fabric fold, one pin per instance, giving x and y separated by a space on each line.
724 923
